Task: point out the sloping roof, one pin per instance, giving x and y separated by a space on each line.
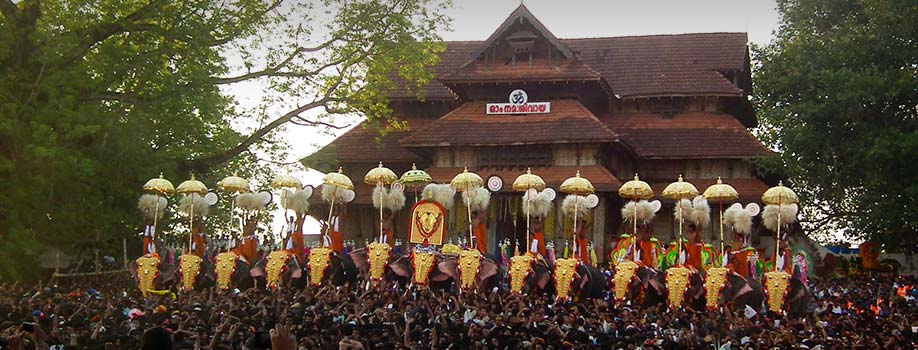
520 13
541 69
634 66
360 144
469 125
602 179
687 135
655 65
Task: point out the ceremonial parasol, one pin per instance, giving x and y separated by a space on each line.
721 193
466 182
525 183
635 190
160 187
415 178
779 195
338 181
234 185
380 176
577 186
678 191
282 183
190 188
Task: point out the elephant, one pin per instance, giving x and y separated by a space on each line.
589 283
340 270
230 270
739 292
539 277
646 288
489 272
195 272
279 268
152 273
441 276
798 298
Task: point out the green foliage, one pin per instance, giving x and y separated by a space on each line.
97 97
837 92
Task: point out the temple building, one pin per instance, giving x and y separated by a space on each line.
657 105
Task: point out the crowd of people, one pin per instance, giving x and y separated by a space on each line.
108 312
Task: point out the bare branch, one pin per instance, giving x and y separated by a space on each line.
305 122
201 164
275 70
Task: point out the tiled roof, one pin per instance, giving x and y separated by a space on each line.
749 189
634 66
360 144
602 179
468 125
688 135
655 65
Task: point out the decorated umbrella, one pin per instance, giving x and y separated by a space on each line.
525 183
234 185
282 183
721 193
466 182
779 195
158 186
578 186
635 190
415 178
380 176
677 277
678 191
338 181
190 188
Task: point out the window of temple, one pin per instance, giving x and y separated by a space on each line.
514 157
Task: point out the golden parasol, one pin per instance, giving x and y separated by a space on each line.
465 182
234 185
380 176
338 181
779 195
160 187
190 188
415 178
721 193
678 191
577 186
635 190
524 183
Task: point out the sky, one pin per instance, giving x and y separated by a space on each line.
477 19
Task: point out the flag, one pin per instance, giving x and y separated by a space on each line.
749 312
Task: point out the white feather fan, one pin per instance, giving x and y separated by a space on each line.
148 205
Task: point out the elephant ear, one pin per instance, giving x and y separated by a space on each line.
401 267
752 208
296 272
487 269
359 257
449 267
258 270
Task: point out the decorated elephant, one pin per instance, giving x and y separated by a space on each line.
231 271
425 267
152 273
325 266
530 274
279 268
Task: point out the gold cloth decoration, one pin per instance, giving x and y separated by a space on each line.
428 223
635 189
338 179
780 195
225 267
190 267
528 181
577 185
191 186
378 256
564 276
624 273
714 282
451 249
277 263
677 279
720 192
233 183
520 266
469 261
422 262
776 283
318 262
147 271
286 181
380 174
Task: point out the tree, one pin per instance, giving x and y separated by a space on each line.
837 93
96 97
